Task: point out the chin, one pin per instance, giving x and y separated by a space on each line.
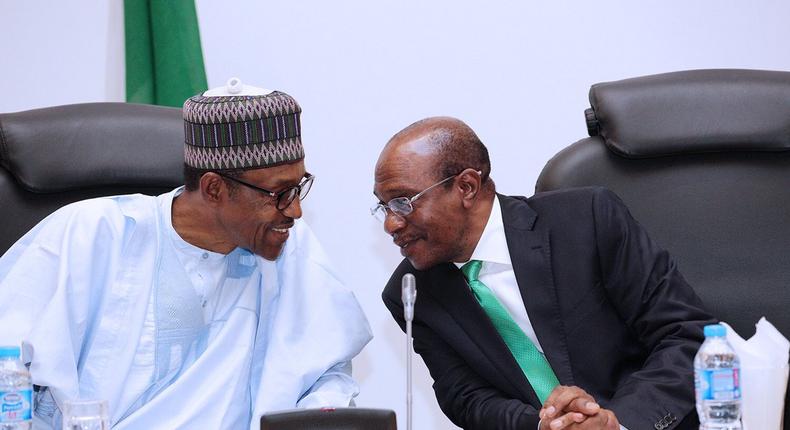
424 259
421 264
271 254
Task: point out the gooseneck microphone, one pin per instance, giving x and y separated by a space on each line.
408 297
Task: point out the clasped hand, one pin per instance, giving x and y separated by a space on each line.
573 409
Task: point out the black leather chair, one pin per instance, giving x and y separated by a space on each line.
702 159
54 156
330 419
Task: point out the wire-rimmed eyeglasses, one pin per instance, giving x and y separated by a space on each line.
403 206
284 197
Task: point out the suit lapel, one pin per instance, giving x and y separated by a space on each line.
448 286
530 254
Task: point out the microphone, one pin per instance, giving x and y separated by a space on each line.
408 297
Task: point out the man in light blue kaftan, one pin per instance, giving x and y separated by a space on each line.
201 308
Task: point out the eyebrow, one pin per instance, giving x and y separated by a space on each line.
287 183
403 193
399 192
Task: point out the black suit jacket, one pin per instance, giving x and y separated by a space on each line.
610 309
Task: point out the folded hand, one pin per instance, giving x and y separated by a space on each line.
573 409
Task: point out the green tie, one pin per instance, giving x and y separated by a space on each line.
532 362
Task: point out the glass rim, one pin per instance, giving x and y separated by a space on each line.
408 202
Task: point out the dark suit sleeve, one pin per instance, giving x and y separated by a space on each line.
467 399
662 310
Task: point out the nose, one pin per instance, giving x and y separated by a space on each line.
294 210
393 223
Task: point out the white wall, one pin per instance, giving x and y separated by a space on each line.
517 72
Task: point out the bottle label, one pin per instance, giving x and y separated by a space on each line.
15 406
720 384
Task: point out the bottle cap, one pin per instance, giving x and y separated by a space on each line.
9 351
715 330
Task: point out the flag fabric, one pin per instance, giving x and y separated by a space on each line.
164 60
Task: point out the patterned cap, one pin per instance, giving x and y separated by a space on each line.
242 131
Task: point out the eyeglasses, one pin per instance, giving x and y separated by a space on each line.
284 197
404 205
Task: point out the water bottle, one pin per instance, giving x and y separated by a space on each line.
16 391
717 382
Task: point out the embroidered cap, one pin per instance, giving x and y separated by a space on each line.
241 127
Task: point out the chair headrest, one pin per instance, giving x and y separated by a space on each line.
693 111
90 145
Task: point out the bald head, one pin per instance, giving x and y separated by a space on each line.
434 160
447 144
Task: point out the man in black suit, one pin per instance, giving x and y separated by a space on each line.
566 316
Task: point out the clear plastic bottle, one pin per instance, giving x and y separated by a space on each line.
717 382
16 391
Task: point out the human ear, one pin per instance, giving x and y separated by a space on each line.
212 188
469 183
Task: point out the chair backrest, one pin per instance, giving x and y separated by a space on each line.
330 419
54 156
702 159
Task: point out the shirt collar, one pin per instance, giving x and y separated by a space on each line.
492 246
166 205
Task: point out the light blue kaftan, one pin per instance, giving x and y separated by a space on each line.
104 309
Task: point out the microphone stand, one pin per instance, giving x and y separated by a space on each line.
408 375
408 296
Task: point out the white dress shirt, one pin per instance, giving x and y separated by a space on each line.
497 271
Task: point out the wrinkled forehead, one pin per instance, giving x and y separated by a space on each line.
403 170
408 150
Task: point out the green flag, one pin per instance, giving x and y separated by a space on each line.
164 62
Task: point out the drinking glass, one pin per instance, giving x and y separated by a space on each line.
86 415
